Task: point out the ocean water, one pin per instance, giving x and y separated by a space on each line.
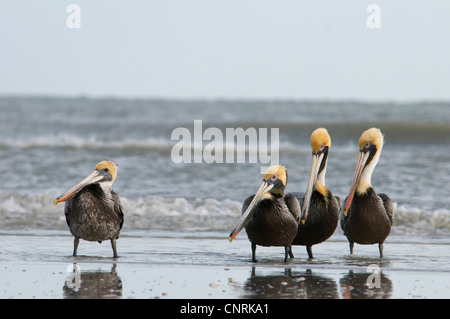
48 144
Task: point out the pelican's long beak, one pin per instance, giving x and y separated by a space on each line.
248 214
363 156
94 177
315 166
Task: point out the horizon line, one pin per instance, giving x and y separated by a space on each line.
228 99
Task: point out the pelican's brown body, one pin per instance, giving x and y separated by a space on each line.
321 223
274 223
94 216
368 220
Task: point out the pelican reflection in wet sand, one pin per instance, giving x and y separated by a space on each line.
320 208
270 218
93 210
367 217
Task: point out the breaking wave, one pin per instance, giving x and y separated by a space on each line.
23 211
161 144
91 142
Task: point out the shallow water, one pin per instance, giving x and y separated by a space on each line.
202 266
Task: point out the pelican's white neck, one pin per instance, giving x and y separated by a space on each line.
321 176
365 181
320 182
106 187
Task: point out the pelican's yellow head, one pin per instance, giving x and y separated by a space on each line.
109 167
275 178
369 137
276 172
319 139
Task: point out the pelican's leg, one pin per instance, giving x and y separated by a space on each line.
309 251
380 248
351 247
113 245
254 252
75 246
291 254
287 253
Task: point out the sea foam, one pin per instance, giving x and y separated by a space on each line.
25 211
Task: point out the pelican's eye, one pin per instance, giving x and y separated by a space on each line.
321 147
274 177
367 147
106 169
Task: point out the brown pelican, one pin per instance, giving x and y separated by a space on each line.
320 208
367 217
270 218
93 210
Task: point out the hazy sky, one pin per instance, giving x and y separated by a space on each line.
227 49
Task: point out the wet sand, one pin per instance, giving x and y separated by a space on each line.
207 267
